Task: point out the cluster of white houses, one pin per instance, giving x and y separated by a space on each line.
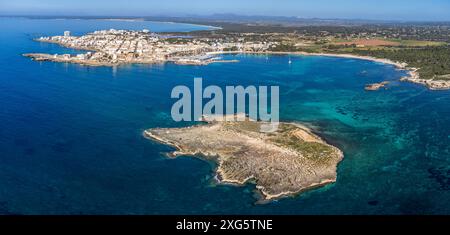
125 46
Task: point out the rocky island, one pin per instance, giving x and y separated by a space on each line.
376 86
283 163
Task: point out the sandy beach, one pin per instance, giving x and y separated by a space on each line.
413 74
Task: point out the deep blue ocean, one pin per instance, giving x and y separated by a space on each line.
71 136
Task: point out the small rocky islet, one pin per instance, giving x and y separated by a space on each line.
282 163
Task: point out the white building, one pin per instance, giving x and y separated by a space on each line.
66 33
81 56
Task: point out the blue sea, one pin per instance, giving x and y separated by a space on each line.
71 136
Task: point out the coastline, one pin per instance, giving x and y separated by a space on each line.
265 196
222 178
210 27
413 74
349 56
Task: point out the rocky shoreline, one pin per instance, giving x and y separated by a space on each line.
99 56
285 163
430 83
413 74
376 86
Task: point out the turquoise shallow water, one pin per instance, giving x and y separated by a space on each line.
71 143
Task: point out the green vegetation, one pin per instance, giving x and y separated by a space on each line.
317 152
434 62
417 43
423 45
231 49
284 47
244 126
431 58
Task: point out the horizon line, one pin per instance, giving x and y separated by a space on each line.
219 14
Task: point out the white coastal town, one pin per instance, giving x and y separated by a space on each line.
114 47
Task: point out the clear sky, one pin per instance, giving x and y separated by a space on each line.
431 10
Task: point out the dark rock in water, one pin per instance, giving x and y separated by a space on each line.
376 86
415 205
341 111
373 203
4 210
442 176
